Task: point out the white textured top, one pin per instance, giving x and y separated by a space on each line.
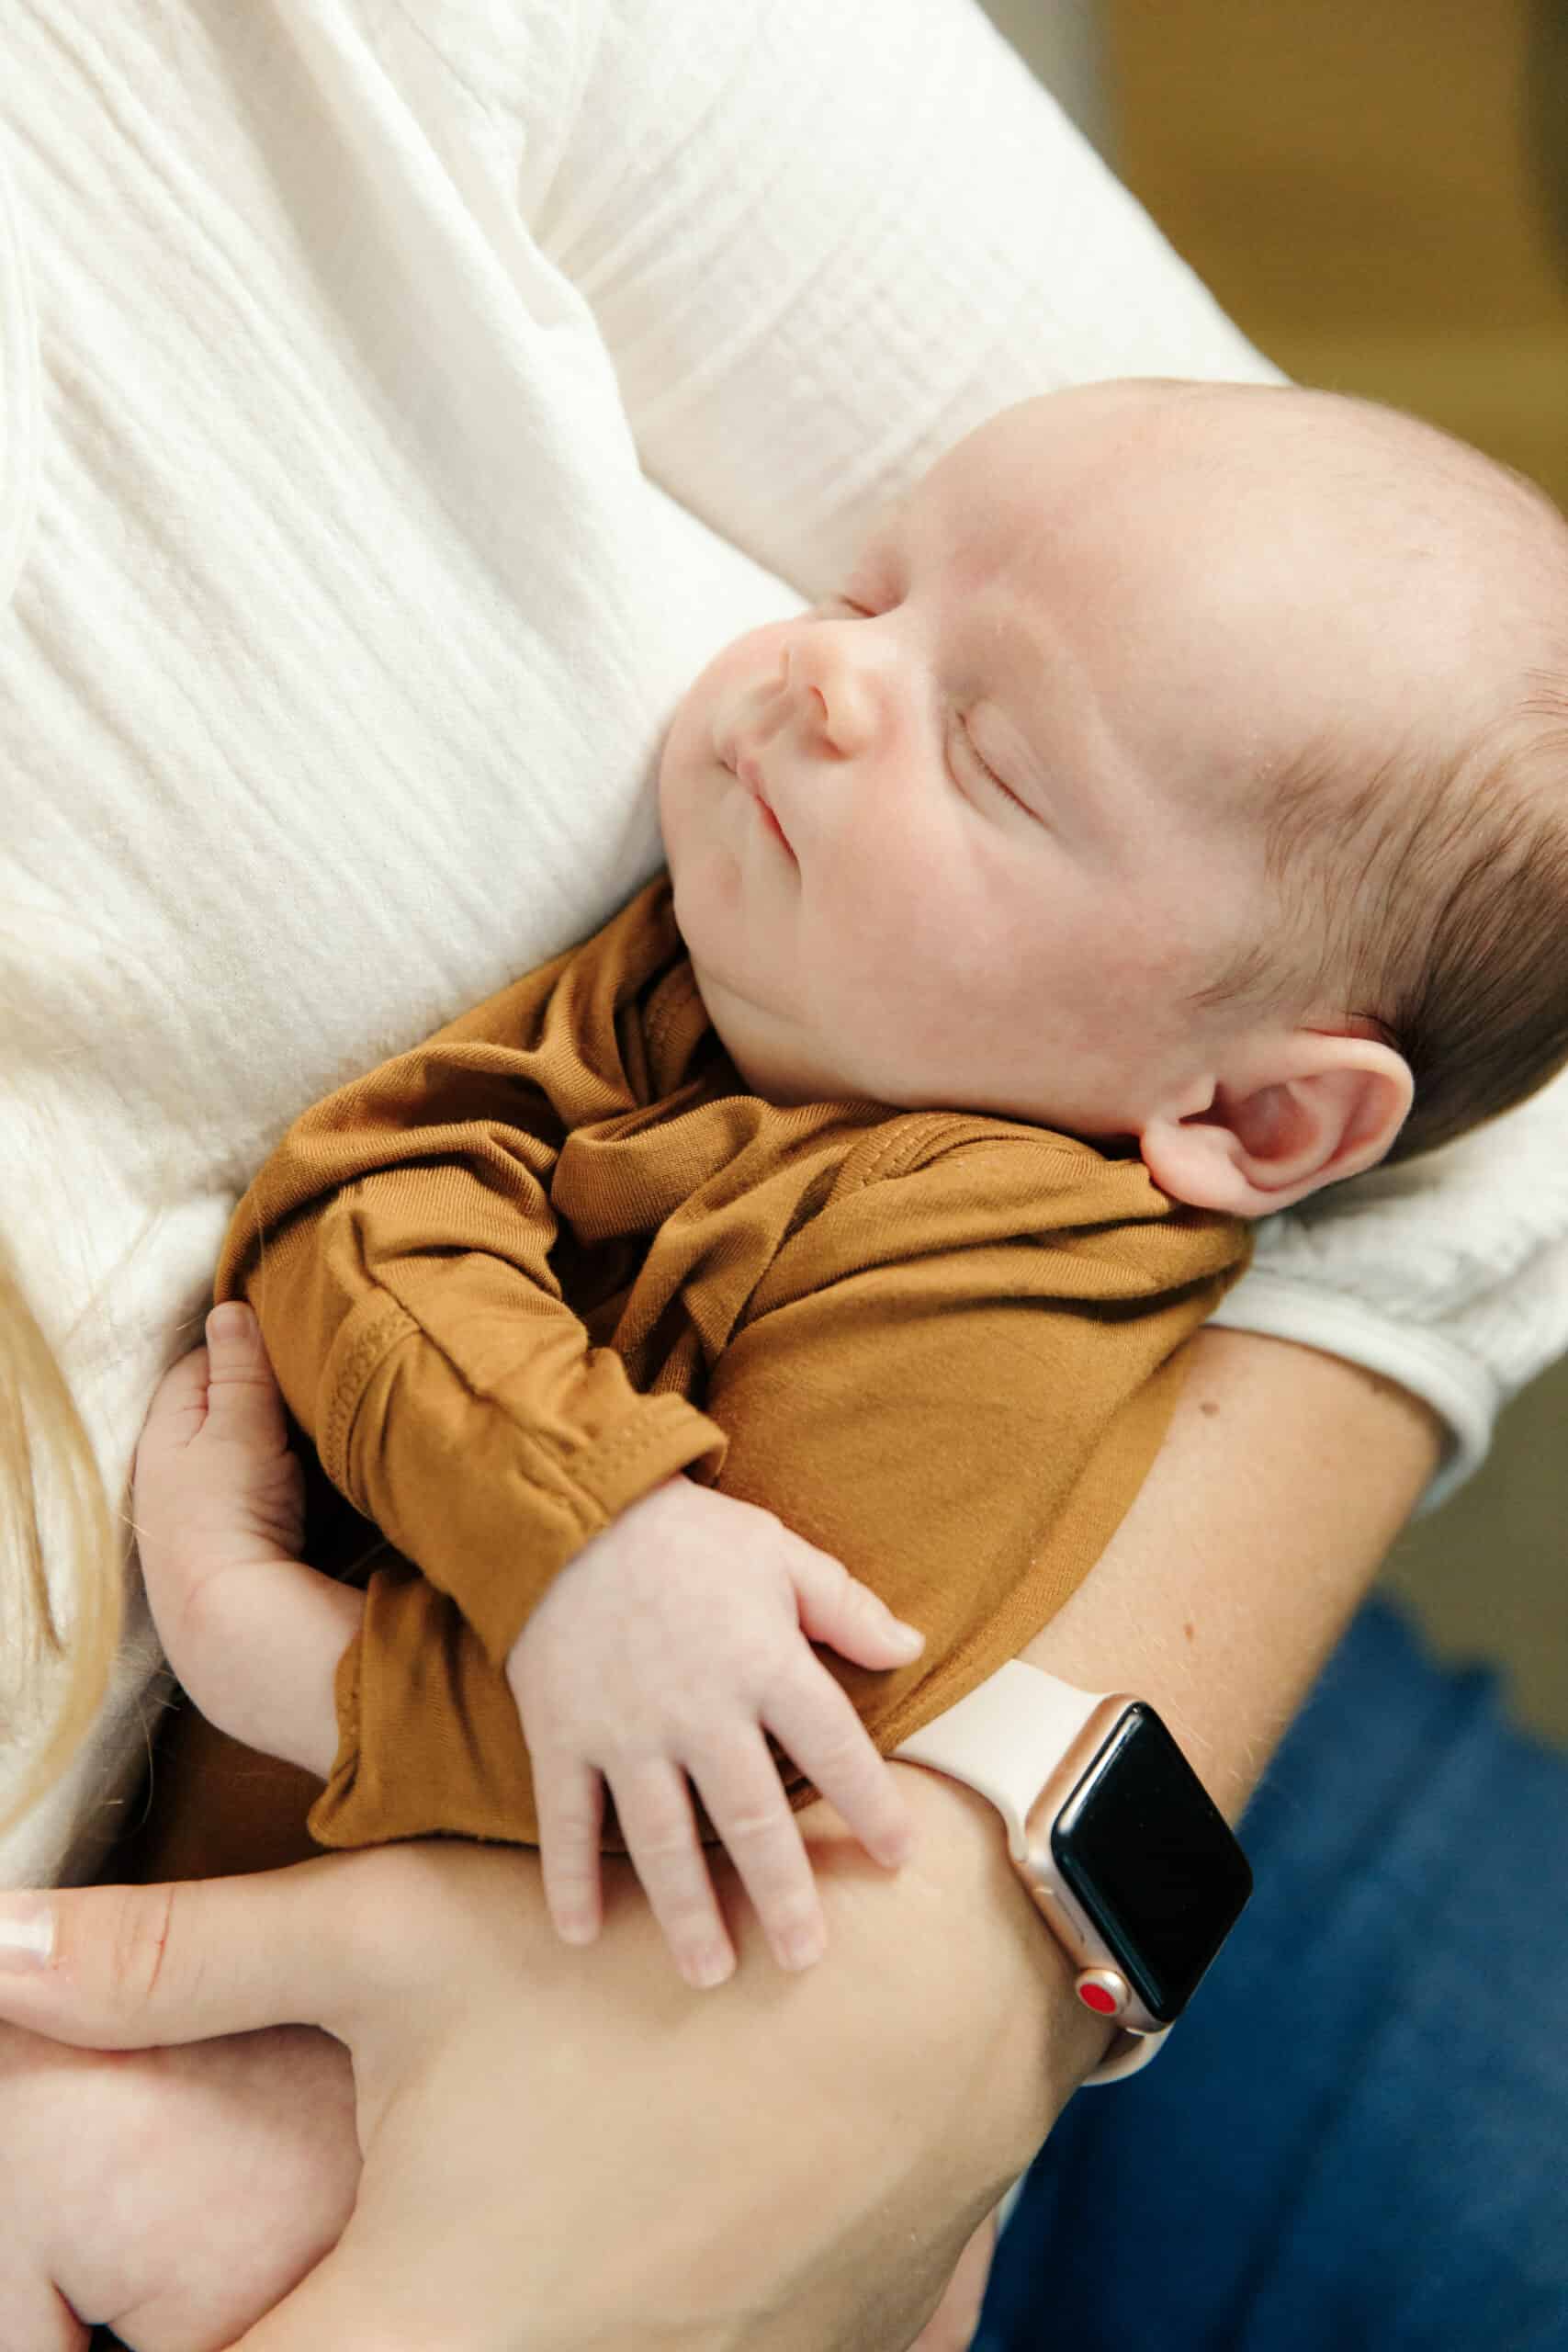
398 404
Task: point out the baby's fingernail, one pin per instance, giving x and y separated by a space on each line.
909 1638
703 1970
26 1933
227 1324
802 1947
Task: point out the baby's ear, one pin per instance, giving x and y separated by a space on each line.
1309 1110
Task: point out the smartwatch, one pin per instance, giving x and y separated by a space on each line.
1127 1857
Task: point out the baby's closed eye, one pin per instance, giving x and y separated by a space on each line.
975 766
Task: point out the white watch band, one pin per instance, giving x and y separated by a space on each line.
1004 1740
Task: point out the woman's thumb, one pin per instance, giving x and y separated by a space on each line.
130 1967
342 2303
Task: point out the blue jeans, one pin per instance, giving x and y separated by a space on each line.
1358 2136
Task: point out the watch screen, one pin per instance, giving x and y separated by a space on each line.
1151 1859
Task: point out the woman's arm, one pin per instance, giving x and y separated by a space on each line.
822 243
793 2161
1286 1475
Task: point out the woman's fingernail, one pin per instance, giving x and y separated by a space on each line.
26 1933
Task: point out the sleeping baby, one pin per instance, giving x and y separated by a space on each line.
1170 817
745 1331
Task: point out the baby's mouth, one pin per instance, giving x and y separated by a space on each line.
750 776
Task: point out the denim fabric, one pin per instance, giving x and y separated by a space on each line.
1358 2136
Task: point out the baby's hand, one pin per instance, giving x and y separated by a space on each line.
219 1505
666 1649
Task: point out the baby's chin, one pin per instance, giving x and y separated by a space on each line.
772 1058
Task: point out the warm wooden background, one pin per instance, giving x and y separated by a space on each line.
1359 181
1378 192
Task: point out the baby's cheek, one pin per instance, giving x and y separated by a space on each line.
738 675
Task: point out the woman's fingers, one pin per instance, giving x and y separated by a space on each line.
34 2313
130 1967
342 2302
951 2327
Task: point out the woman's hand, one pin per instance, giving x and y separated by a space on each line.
173 2195
951 2327
569 2151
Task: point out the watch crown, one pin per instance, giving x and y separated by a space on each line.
1103 1991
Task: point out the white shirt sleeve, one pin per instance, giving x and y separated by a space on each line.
1450 1276
821 243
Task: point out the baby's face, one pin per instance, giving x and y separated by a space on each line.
973 833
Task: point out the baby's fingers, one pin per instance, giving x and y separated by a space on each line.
215 1477
747 1804
837 1609
812 1718
569 1797
176 1414
244 1401
654 1808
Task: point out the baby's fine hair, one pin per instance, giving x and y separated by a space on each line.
1452 931
1427 894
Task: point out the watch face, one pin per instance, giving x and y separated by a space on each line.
1151 1859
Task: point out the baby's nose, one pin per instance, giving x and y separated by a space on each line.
834 686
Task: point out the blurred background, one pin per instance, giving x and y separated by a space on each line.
1378 194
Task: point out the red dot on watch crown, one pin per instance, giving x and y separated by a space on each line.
1096 1997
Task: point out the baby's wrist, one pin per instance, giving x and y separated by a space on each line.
261 1659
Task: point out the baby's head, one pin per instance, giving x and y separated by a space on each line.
1182 762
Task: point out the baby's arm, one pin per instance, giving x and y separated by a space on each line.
665 1650
252 1633
950 1379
